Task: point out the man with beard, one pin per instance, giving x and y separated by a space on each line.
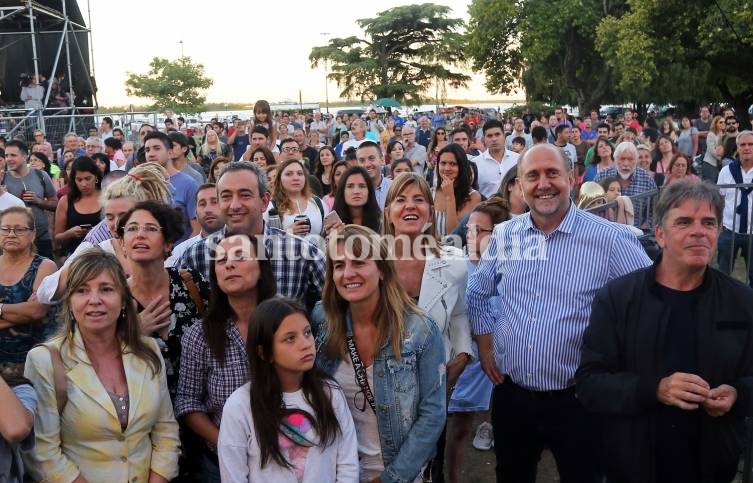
207 214
731 131
634 180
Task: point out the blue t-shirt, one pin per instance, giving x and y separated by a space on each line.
183 189
239 146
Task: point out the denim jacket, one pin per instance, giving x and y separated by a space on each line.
409 394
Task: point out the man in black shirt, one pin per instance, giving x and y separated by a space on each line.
667 358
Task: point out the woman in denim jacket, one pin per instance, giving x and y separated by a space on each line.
401 353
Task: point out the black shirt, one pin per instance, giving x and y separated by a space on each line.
677 429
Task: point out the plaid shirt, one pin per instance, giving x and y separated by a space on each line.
641 181
203 383
297 264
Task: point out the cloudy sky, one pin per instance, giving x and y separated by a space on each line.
252 49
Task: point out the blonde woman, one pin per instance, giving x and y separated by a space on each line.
113 419
294 200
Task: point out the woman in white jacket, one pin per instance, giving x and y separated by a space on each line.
433 275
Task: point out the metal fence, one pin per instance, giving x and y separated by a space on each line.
57 122
734 250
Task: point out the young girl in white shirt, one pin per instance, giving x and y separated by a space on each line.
289 424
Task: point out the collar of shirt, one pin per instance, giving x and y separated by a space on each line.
566 225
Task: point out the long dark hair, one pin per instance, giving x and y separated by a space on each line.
371 212
462 187
83 164
218 314
319 169
267 407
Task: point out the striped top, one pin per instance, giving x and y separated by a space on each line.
546 285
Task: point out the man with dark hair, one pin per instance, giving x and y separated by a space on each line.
539 135
105 128
259 139
703 124
297 264
307 152
493 163
209 217
562 141
169 125
34 187
158 148
179 156
369 155
667 357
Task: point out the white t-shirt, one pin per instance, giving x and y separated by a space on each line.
313 212
240 456
7 200
369 445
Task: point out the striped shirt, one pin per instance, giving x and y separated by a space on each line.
546 284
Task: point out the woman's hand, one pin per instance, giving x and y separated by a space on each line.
155 316
299 228
454 368
448 187
76 232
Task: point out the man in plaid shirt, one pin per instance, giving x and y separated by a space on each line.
634 180
298 265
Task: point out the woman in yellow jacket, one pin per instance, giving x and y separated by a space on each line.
116 423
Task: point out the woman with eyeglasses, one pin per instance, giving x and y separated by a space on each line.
21 272
473 390
164 300
385 353
454 196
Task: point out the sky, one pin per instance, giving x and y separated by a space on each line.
251 49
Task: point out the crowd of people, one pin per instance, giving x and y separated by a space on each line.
354 298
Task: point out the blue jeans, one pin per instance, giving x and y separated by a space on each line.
728 252
210 472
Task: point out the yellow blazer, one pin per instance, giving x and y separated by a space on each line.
87 437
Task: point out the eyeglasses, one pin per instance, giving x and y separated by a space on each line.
291 150
475 230
18 230
359 400
731 123
134 228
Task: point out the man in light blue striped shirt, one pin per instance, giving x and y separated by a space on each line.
546 266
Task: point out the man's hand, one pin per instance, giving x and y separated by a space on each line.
682 390
720 400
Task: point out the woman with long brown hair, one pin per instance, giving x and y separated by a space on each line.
368 327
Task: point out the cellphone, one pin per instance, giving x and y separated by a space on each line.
86 226
332 218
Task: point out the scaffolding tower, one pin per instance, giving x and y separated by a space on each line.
56 30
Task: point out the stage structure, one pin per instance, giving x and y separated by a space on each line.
48 39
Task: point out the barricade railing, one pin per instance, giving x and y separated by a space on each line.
734 247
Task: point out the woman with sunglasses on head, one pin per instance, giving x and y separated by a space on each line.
368 327
21 272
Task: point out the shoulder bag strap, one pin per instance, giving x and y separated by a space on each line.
193 290
58 377
360 370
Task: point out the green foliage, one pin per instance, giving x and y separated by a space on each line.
176 85
404 51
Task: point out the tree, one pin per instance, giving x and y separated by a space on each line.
548 47
403 52
682 52
175 85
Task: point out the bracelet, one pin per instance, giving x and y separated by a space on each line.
1 308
